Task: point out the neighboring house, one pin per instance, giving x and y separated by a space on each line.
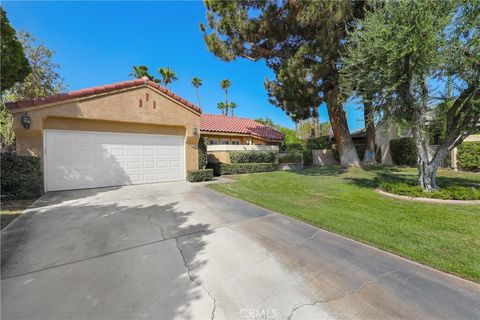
131 132
386 132
224 134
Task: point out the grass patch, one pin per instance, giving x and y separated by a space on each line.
439 235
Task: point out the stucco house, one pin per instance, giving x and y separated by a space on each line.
225 134
131 132
385 132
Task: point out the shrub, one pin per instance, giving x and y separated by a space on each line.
240 168
360 148
21 177
294 146
403 151
252 157
293 156
202 153
447 193
468 156
319 143
200 175
307 158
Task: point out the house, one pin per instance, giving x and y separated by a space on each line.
224 134
385 132
131 132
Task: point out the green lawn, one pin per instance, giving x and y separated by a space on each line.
446 237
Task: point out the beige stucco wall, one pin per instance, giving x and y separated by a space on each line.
112 112
218 156
383 134
244 139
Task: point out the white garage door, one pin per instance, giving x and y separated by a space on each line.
80 159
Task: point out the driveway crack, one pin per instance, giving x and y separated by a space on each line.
158 225
193 280
351 293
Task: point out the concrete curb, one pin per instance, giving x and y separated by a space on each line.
425 200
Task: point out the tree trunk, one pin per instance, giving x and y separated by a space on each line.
346 148
369 157
198 97
226 102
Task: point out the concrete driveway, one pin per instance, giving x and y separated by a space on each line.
182 251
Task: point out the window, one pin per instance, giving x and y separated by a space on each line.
223 141
213 141
236 141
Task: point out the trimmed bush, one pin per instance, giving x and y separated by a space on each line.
200 175
307 158
468 156
21 177
447 193
319 143
240 168
202 153
294 146
252 157
292 156
404 151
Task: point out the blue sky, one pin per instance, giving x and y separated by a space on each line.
98 42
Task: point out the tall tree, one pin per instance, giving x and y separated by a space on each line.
226 84
232 107
222 107
197 82
301 41
142 71
404 51
168 76
14 63
44 79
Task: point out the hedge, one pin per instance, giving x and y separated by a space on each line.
307 158
291 157
240 168
252 157
21 177
404 151
294 146
200 175
446 193
319 143
202 153
468 156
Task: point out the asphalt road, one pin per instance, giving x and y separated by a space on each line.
182 251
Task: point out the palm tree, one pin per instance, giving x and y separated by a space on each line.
232 106
225 84
222 107
168 76
142 71
197 82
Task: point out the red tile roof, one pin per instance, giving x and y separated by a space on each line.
100 89
225 124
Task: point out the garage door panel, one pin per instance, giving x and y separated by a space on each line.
76 159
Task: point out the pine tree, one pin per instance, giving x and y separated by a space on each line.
302 42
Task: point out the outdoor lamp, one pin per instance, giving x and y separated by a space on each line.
26 120
194 131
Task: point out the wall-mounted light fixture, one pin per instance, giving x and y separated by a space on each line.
26 120
194 131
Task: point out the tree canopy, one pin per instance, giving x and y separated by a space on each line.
301 41
403 52
14 63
